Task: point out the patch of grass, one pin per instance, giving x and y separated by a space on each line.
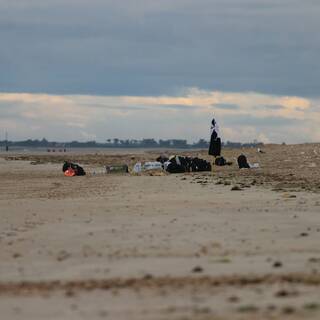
312 306
224 260
248 308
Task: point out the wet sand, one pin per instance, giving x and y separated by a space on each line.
161 246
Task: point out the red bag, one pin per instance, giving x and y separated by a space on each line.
70 172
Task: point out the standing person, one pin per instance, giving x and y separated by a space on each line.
215 141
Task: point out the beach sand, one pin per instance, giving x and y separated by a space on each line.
182 246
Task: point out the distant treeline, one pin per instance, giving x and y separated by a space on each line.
118 143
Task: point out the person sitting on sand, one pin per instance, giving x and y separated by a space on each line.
215 141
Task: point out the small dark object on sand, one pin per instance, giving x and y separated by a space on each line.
197 269
277 264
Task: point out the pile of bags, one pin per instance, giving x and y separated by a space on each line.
174 164
179 164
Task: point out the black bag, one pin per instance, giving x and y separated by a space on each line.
78 169
220 161
66 166
198 164
173 167
242 162
178 165
185 163
162 159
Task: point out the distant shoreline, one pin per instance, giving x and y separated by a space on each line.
90 150
122 144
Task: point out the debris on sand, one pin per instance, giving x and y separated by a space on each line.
283 293
277 264
289 196
63 255
197 269
304 234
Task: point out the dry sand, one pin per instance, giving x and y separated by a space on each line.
162 246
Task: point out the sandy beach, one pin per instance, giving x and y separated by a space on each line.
226 244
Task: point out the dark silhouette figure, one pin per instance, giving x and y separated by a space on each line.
215 141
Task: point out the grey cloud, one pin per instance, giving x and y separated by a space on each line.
249 120
315 106
270 107
226 106
139 107
147 47
173 106
110 107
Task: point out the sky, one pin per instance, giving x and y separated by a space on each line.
100 69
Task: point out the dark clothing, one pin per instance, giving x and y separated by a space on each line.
215 145
215 141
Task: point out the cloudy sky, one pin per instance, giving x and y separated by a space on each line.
99 69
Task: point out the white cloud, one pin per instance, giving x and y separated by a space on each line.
254 116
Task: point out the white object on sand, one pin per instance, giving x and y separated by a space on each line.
137 167
155 165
